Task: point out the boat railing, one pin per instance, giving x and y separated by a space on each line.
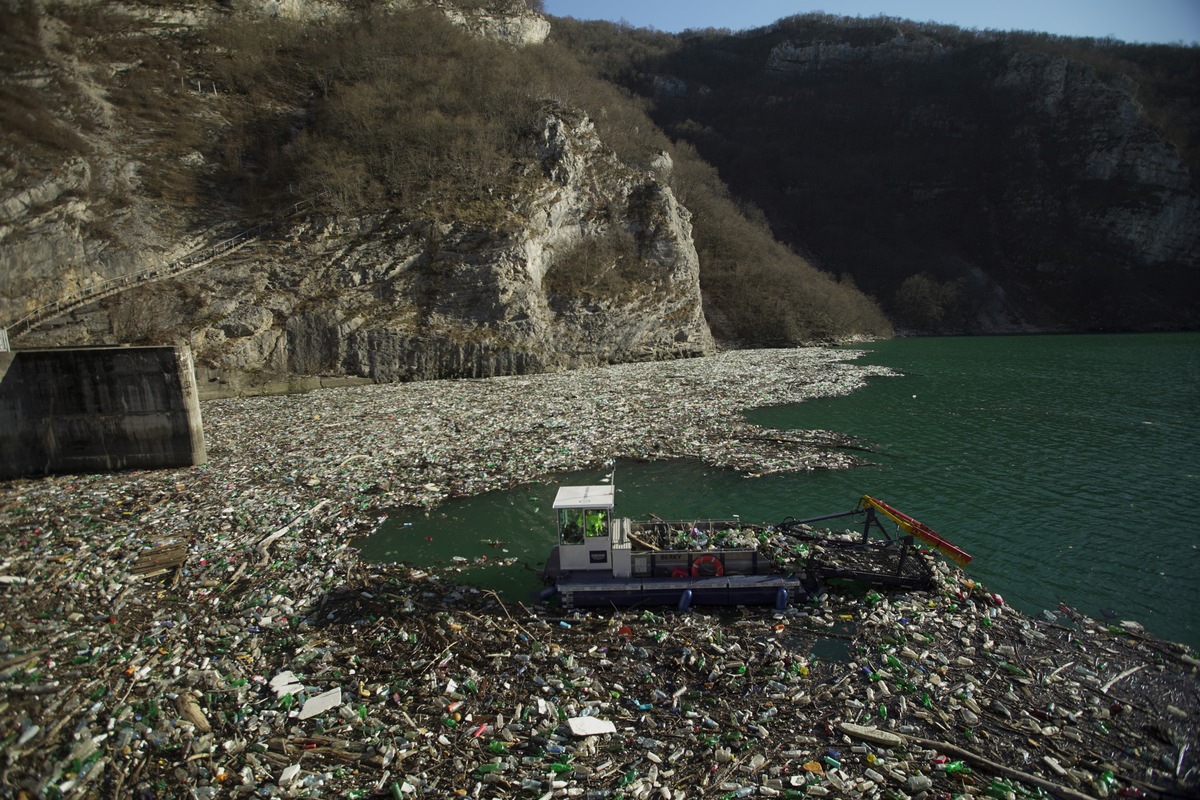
699 563
688 524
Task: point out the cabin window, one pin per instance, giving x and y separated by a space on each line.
574 524
570 525
596 520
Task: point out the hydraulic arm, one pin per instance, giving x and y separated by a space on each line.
918 530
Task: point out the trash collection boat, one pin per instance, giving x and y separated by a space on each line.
603 560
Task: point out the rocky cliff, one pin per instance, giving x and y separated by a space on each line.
396 201
395 298
1098 161
595 264
575 258
1022 179
77 166
510 21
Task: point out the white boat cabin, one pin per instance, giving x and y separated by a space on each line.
588 537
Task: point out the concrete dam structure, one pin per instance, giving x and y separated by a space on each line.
98 409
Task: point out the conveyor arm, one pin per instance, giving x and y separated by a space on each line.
919 530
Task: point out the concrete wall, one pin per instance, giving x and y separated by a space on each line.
214 384
98 409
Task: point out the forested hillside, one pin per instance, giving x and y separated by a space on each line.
968 180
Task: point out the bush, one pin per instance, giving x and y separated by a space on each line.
757 291
923 304
598 267
151 314
399 109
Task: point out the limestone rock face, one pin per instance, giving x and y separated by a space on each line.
515 24
796 58
246 320
512 22
594 265
1108 143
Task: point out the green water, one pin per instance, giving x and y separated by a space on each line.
1065 464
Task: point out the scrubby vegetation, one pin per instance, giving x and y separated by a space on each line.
597 268
898 158
407 111
386 111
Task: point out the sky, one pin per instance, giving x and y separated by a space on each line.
1144 21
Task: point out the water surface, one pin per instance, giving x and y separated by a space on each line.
1065 464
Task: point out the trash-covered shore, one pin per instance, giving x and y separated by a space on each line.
209 632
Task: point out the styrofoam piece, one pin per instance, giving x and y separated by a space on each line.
321 703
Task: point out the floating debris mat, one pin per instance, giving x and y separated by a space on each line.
160 561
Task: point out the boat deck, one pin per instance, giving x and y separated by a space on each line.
600 588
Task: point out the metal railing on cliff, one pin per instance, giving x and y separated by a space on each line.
200 257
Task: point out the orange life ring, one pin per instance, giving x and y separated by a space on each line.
708 560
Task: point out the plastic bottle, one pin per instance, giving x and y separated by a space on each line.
1001 791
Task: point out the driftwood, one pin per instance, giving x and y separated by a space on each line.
1124 674
1065 792
10 664
888 738
159 561
642 543
189 709
264 546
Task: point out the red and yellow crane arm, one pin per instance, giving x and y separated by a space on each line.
917 529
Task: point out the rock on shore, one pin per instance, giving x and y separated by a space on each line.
210 633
